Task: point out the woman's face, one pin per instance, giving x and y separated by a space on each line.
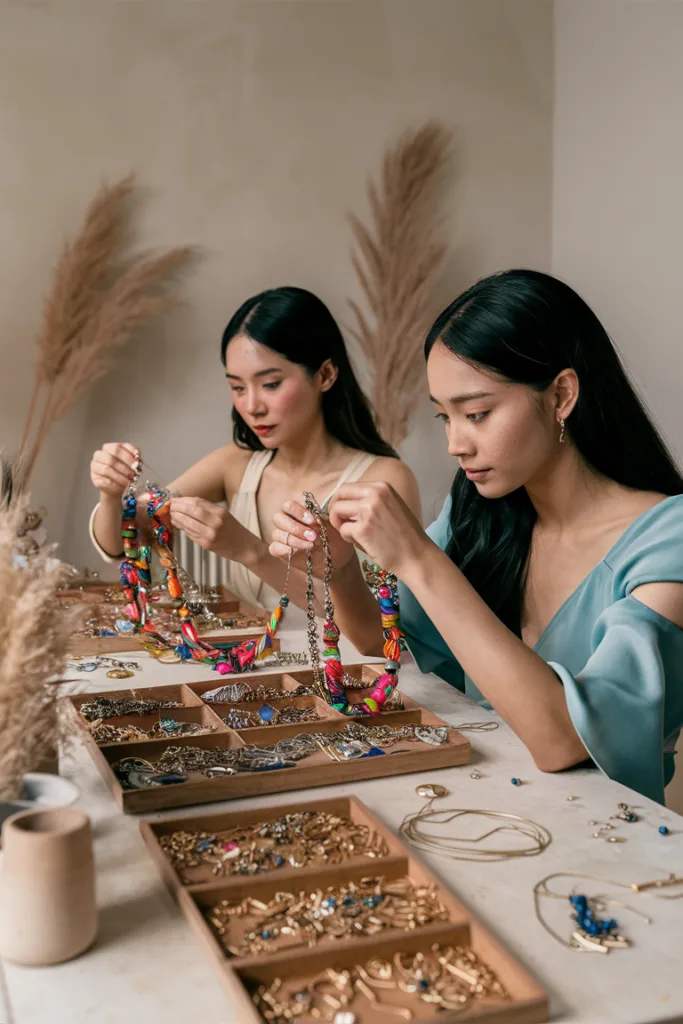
503 435
277 399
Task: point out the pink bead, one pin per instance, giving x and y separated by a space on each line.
223 667
384 591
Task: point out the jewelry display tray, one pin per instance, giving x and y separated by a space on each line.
528 1003
315 770
91 595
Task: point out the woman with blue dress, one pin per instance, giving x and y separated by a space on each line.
551 584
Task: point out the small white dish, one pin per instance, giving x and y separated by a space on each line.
41 789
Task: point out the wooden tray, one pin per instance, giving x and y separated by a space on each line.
314 770
297 966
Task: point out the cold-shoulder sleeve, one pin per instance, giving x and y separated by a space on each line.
626 703
425 643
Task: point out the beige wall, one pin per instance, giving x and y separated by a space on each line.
254 127
617 203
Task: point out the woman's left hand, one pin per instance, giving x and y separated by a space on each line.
373 517
209 525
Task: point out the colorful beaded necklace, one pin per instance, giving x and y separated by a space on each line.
384 587
136 582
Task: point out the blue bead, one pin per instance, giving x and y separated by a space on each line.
516 782
265 935
423 984
663 830
279 861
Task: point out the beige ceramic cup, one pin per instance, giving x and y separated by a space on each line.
47 887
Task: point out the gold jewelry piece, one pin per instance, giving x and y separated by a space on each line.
463 848
366 907
444 977
592 935
119 673
293 840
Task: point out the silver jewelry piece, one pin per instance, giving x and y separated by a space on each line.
219 771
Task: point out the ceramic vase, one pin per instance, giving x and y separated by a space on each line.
47 887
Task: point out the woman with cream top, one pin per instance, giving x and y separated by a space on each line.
300 423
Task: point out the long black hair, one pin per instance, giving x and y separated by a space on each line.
526 327
298 325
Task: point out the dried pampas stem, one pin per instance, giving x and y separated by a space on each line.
34 640
397 259
97 300
83 271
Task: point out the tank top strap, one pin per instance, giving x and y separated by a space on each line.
251 478
354 471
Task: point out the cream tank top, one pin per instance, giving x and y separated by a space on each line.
245 584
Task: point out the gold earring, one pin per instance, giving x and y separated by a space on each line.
561 431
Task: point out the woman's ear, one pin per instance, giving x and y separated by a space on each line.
328 374
566 390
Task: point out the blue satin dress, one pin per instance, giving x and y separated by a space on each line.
621 663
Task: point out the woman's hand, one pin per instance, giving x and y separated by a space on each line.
111 468
373 517
211 526
296 532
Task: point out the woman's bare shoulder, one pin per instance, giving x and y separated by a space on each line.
399 476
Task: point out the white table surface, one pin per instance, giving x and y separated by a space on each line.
147 968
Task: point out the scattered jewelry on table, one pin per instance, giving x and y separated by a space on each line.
362 908
475 775
102 661
119 673
464 848
445 977
115 707
625 813
293 840
487 726
594 934
516 782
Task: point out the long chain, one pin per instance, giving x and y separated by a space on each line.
333 681
463 848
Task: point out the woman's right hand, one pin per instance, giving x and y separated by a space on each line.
112 468
296 532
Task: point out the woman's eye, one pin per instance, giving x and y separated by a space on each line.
236 389
441 416
273 384
476 417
